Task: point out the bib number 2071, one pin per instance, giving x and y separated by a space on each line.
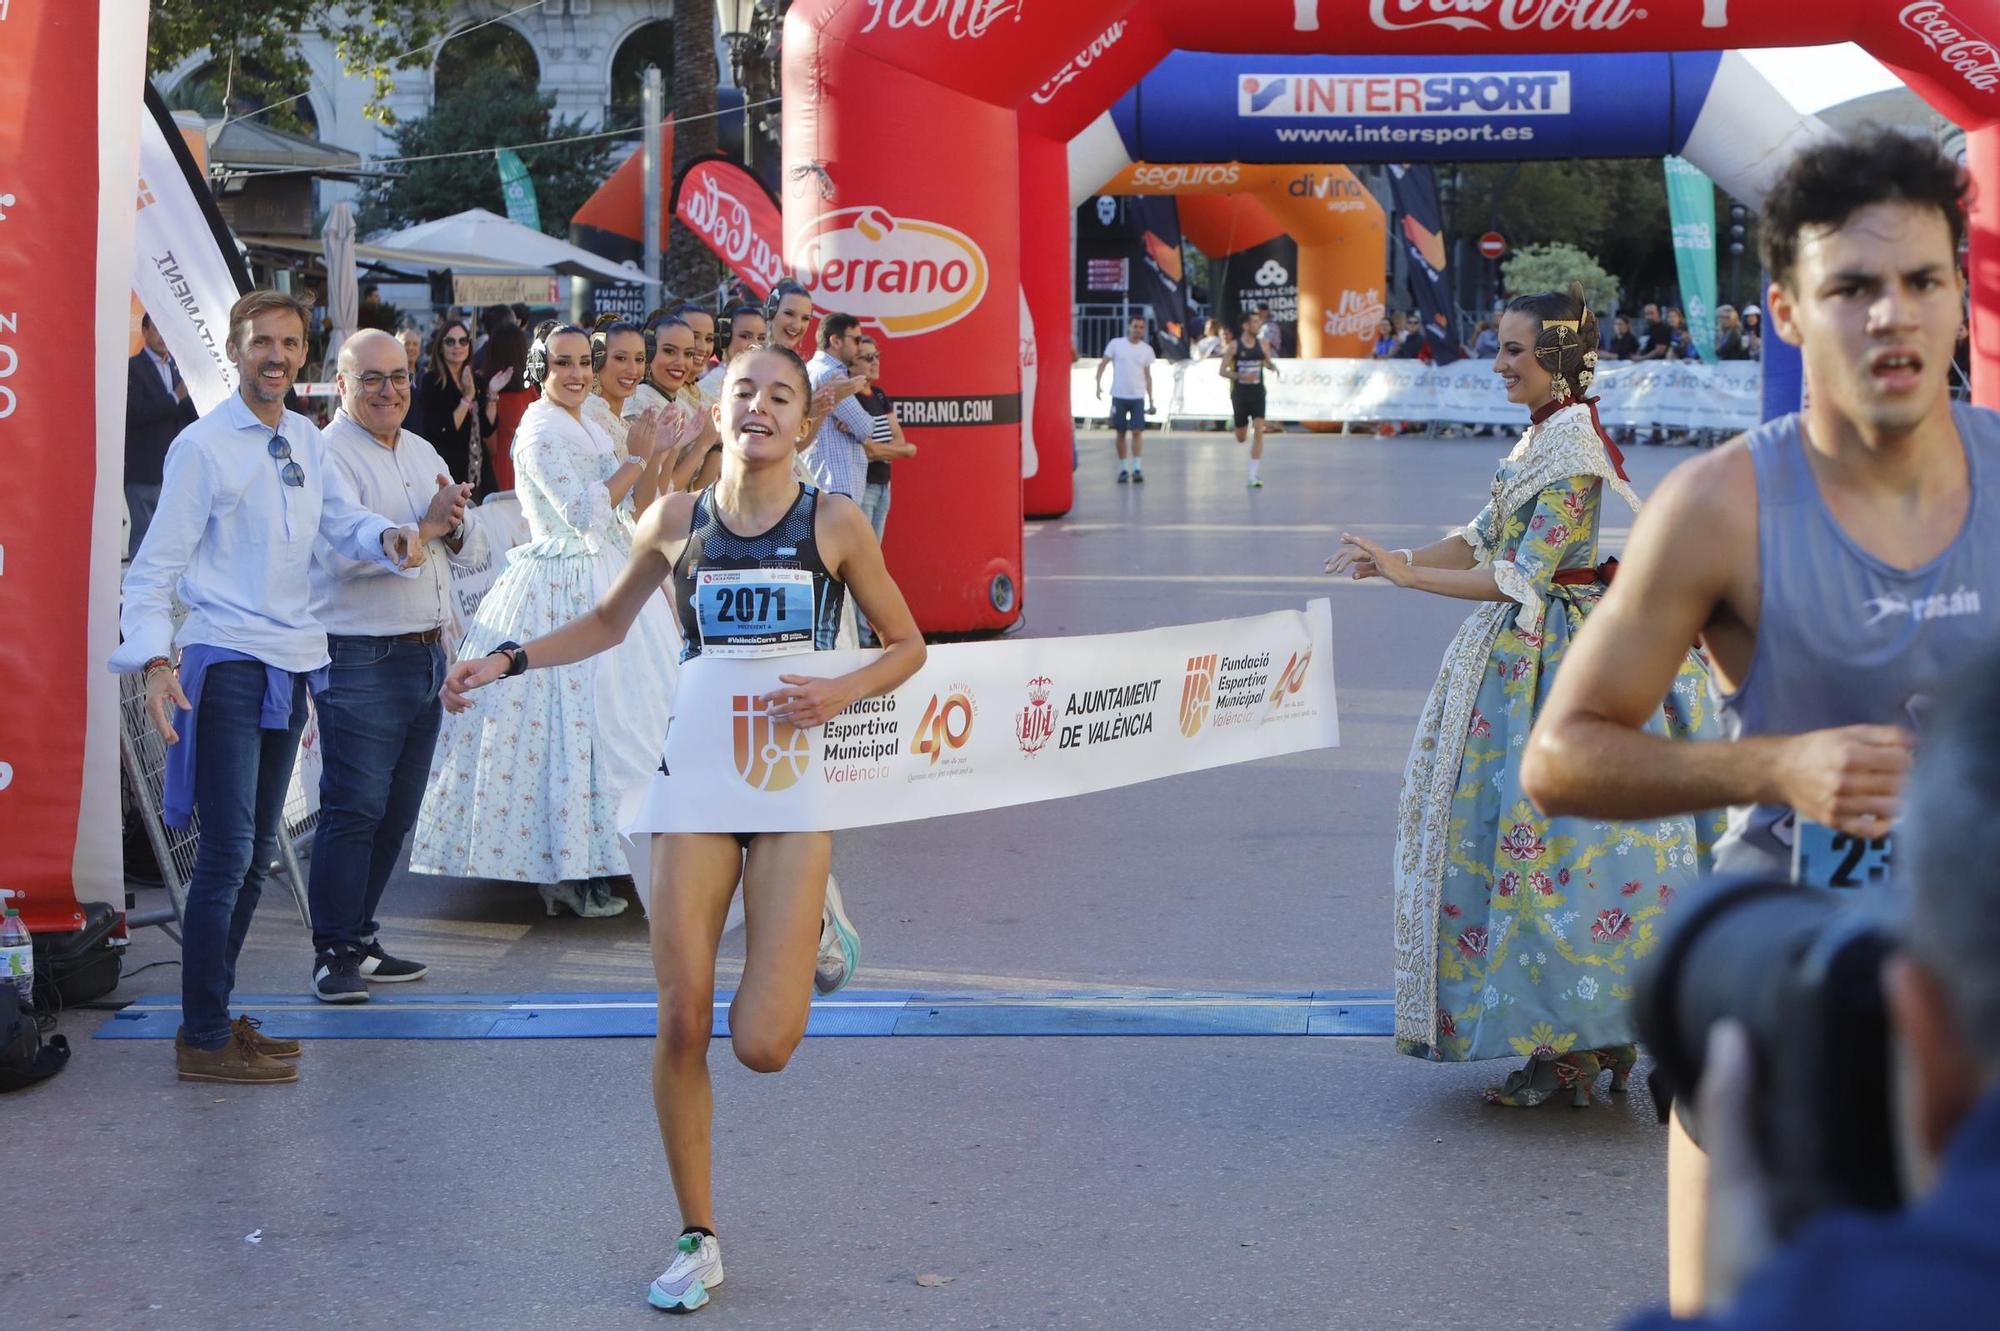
748 605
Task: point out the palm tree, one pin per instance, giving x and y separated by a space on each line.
688 268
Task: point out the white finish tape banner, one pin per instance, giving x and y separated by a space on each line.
990 724
1677 394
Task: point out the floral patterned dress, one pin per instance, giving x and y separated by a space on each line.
1517 935
527 785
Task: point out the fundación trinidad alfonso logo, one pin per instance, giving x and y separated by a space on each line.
901 274
1293 677
1197 694
770 755
1035 725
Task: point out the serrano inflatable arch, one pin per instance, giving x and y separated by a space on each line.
926 240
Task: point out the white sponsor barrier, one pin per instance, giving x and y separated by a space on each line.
1684 395
991 724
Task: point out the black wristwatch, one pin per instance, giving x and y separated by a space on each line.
517 657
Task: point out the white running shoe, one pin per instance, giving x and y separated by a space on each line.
697 1269
839 945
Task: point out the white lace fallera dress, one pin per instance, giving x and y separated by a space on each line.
526 786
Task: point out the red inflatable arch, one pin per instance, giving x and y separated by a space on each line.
926 191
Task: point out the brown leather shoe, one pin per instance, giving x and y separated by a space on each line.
250 1031
236 1062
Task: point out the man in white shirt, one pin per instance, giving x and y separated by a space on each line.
246 496
1130 360
379 713
838 453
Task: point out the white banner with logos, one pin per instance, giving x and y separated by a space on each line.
179 270
1685 395
991 724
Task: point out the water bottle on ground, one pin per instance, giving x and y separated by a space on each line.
17 953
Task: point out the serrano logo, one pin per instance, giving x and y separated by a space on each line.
770 755
1293 677
946 724
1197 694
1968 55
1518 15
1036 724
898 273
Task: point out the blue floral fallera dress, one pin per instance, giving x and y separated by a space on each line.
1517 934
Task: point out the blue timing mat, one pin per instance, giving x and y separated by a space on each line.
588 1016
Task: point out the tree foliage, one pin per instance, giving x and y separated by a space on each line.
256 48
1553 268
491 109
1615 208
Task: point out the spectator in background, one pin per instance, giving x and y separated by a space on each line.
413 357
506 399
1268 332
247 496
1130 360
837 455
1211 343
788 312
1753 331
379 712
157 408
1385 339
747 329
1486 340
1649 320
1624 343
1679 342
1729 343
448 395
699 318
885 445
1409 338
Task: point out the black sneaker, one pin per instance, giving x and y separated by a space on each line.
1124 477
1138 476
337 978
378 967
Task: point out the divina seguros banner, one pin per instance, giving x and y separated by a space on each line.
991 724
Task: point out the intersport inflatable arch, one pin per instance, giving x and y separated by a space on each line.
925 147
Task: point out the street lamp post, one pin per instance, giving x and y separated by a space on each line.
738 19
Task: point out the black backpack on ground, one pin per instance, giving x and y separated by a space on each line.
24 1059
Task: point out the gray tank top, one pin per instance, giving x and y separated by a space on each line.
1843 638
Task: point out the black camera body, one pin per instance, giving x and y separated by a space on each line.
1801 969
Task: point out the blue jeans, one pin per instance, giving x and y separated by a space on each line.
378 723
239 795
875 505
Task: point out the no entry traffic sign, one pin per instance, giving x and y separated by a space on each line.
1492 245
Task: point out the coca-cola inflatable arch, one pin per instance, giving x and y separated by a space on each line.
926 189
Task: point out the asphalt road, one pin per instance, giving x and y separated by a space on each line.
1100 1181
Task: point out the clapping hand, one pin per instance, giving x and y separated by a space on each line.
643 436
465 676
500 380
447 509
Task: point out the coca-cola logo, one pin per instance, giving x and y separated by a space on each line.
900 274
1965 52
729 226
1509 15
1081 61
961 19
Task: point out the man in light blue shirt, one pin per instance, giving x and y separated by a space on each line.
838 454
247 493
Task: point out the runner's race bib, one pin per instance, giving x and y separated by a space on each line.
1822 857
755 611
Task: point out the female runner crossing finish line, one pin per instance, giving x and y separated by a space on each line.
807 551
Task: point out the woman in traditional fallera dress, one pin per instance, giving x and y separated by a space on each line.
1517 935
529 789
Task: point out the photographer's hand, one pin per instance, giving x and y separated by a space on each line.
1740 1234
